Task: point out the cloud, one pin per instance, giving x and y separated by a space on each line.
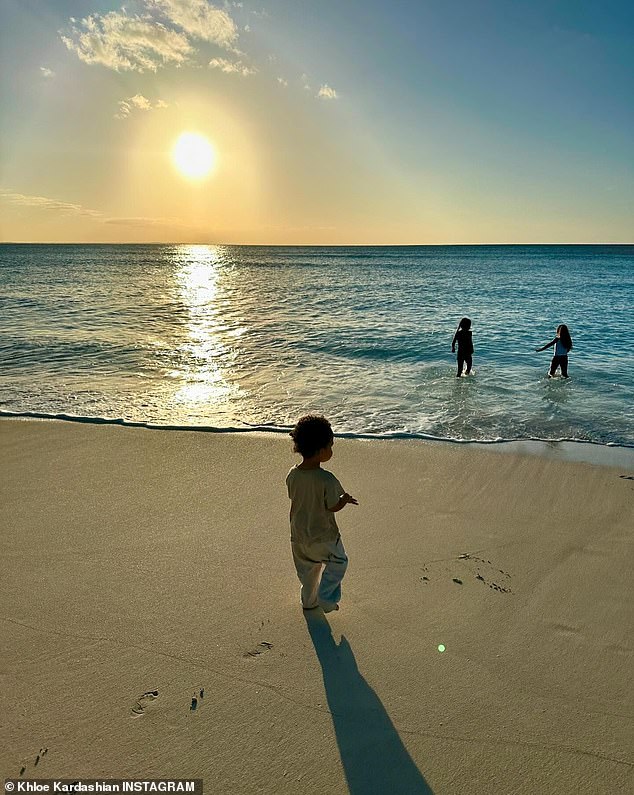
153 222
326 92
151 40
305 82
52 205
232 67
137 102
119 41
282 82
200 19
67 208
46 72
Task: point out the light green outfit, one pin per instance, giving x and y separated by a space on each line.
319 557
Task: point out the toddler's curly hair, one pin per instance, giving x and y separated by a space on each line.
312 433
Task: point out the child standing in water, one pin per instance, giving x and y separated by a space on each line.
316 496
465 346
563 343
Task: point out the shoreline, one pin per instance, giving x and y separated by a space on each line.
608 454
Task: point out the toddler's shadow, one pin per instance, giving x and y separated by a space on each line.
373 756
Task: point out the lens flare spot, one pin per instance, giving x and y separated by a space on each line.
441 647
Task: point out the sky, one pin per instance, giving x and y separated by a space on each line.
331 122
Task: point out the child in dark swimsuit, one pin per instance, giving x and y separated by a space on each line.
465 346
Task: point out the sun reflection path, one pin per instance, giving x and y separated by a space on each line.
202 379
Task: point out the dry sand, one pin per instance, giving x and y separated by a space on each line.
137 560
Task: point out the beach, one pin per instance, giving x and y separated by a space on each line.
484 642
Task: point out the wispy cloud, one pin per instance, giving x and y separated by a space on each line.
232 67
161 36
46 72
155 223
70 209
200 19
137 102
123 42
326 92
52 205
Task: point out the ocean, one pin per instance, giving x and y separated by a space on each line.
244 336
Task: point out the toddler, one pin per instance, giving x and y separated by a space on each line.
316 496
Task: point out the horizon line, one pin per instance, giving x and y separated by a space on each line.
279 245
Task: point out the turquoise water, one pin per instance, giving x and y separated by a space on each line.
231 336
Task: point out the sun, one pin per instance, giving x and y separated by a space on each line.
193 155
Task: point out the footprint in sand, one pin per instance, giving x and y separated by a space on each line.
263 646
499 588
138 710
197 699
476 563
38 759
480 568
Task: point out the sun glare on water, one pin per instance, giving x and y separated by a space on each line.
193 155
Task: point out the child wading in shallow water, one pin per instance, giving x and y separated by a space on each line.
316 495
465 346
563 344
